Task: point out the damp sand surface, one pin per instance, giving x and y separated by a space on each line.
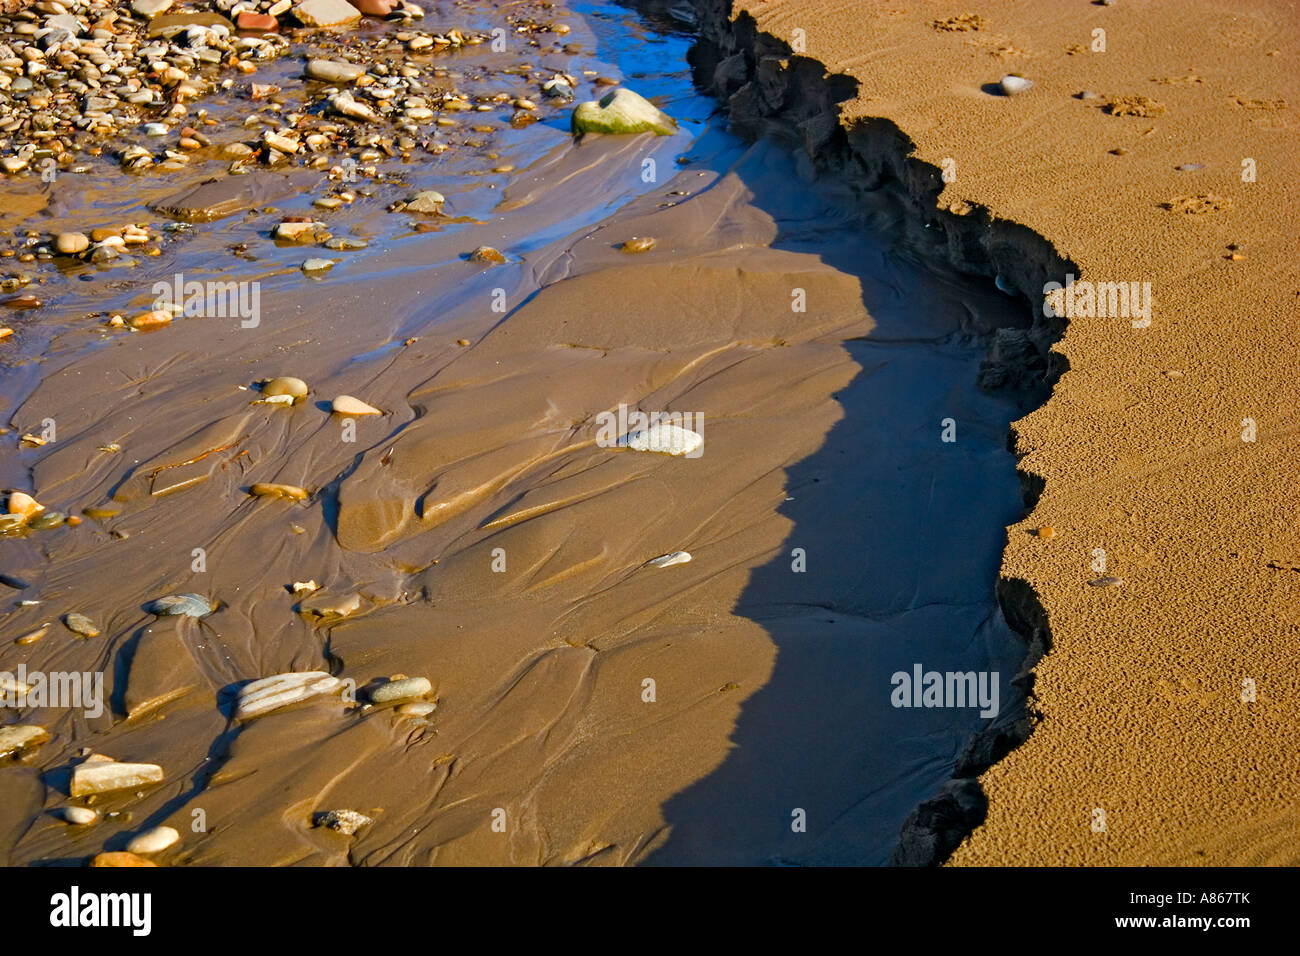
479 533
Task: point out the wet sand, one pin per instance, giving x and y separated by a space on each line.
1167 710
477 533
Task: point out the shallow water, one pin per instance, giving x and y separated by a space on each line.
771 686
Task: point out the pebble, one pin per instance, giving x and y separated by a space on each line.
120 859
325 13
261 22
1106 582
154 840
80 624
318 265
77 816
1047 532
420 709
267 489
180 605
295 388
347 405
153 319
300 232
428 201
150 8
405 688
488 255
345 244
346 822
27 301
638 244
104 776
333 71
21 503
665 438
1012 84
668 560
18 737
271 693
620 111
327 607
71 243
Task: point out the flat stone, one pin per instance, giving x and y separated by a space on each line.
326 13
80 625
150 8
154 840
668 560
272 693
258 22
665 438
105 776
18 737
77 816
318 265
428 201
269 489
180 605
333 71
407 688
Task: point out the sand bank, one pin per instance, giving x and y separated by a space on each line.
1156 146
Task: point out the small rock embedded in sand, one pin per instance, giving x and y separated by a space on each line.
180 605
269 489
300 231
1047 532
330 607
18 737
349 406
664 438
418 709
1012 84
21 503
284 385
120 859
638 244
153 319
406 688
486 254
318 265
153 841
77 816
271 693
333 71
71 243
325 13
80 625
346 822
429 201
668 560
105 776
1107 582
621 111
31 637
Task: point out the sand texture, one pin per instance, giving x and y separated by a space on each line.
1170 446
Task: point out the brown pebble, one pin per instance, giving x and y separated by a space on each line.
1047 532
120 858
462 342
638 244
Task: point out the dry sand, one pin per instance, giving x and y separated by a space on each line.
1140 450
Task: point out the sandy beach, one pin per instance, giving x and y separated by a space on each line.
373 553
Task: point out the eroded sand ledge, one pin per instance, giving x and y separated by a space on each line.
1138 712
